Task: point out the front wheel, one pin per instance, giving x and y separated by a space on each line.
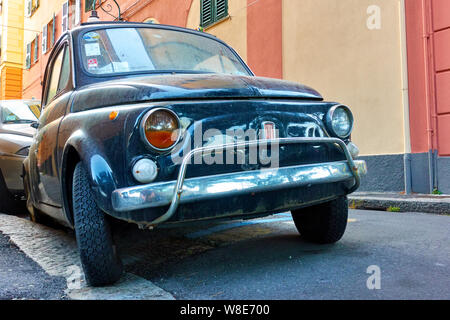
323 223
101 264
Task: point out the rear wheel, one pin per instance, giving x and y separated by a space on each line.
101 264
323 223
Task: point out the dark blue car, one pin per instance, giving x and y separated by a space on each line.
155 124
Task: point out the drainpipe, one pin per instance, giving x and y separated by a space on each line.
405 95
426 39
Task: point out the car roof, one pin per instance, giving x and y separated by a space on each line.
86 26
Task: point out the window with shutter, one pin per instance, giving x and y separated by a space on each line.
28 56
65 17
44 39
212 11
36 49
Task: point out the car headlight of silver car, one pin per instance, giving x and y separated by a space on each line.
339 121
23 152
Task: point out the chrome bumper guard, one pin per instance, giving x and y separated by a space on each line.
174 193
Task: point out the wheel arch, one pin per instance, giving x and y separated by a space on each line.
101 177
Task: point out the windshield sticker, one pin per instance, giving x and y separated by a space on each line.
92 64
91 36
92 49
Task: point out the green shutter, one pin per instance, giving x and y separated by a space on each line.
88 5
53 31
221 9
212 11
36 49
28 56
206 15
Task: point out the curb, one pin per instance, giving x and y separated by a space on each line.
435 206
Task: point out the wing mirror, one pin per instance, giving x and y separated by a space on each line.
35 124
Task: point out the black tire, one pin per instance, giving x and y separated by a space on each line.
5 196
323 223
8 204
101 264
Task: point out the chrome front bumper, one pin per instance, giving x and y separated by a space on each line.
174 193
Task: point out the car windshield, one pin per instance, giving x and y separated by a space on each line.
18 112
130 50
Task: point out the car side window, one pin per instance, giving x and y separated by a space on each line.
59 76
65 71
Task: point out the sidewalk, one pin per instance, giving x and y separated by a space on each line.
438 204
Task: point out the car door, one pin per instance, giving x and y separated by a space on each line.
56 95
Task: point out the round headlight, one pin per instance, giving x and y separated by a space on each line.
340 121
161 129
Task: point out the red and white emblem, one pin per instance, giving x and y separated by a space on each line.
268 130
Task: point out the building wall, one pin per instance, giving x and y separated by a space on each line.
232 30
12 49
352 51
428 40
34 25
351 64
344 59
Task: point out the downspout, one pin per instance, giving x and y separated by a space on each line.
426 40
405 95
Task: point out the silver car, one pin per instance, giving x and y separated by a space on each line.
17 121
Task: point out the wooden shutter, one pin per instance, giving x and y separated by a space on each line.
88 5
52 42
36 49
221 9
77 12
44 39
206 15
65 17
29 7
212 11
28 56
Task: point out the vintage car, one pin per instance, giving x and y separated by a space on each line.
16 136
154 124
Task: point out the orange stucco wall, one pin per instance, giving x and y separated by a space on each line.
264 38
428 42
172 12
11 83
417 75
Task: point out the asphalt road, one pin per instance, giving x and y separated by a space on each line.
256 259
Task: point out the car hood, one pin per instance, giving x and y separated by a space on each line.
21 129
187 87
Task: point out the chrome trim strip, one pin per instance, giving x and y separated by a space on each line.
217 186
164 193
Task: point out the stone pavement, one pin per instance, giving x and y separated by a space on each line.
438 204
